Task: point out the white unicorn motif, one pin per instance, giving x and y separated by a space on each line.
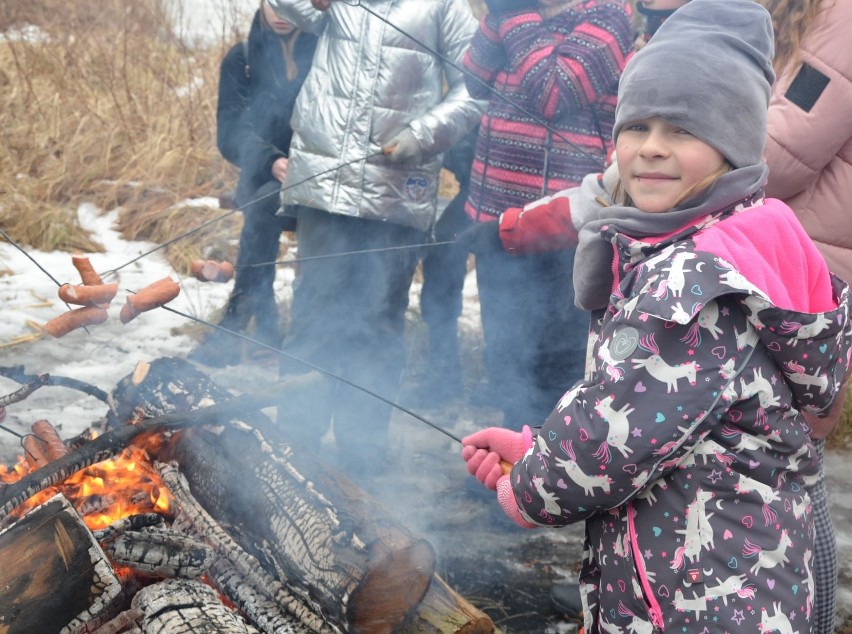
767 494
569 396
705 449
662 371
778 622
543 449
801 507
736 280
619 427
575 473
676 279
636 625
695 604
735 584
547 497
728 370
610 364
761 388
768 558
795 373
708 317
808 582
698 532
756 304
747 338
751 442
805 331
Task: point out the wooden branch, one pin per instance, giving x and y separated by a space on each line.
16 373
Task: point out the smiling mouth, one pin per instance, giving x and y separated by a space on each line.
655 177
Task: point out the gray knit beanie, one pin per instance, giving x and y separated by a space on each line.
708 69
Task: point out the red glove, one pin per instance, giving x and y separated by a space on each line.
487 452
506 498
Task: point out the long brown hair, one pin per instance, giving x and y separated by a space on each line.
791 20
288 45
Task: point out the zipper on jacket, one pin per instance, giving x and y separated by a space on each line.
654 610
616 281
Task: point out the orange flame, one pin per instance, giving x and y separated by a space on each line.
105 492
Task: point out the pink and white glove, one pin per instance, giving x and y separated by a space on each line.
486 452
506 498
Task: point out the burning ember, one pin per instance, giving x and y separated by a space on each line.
103 493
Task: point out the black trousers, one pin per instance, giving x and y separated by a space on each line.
444 271
535 338
253 293
348 316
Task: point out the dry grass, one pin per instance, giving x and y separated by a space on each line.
102 103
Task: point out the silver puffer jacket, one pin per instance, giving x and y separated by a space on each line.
369 81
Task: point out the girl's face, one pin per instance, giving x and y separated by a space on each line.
658 162
277 24
663 5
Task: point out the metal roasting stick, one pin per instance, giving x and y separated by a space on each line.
505 466
319 369
346 253
186 234
39 266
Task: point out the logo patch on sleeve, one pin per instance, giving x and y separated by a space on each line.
807 87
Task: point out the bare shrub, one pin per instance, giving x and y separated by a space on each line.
101 102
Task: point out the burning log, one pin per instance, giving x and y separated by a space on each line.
236 573
329 544
54 572
291 543
323 539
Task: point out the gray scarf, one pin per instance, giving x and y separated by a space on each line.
593 261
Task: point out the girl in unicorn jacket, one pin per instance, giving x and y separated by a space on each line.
716 324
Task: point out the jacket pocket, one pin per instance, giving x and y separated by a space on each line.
654 610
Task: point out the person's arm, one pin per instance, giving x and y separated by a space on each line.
808 122
553 222
561 73
609 439
449 121
484 58
232 123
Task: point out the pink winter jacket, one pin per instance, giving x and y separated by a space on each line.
809 145
809 140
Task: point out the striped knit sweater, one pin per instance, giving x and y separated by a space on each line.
565 71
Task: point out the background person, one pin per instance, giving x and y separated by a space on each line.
258 84
560 61
371 88
809 153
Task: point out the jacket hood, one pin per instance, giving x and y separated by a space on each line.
799 311
812 349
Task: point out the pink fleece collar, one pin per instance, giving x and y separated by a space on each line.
768 245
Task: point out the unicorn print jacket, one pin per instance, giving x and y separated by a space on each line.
684 449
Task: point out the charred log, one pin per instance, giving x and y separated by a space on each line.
182 606
237 574
53 573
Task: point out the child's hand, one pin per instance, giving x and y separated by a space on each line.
483 465
510 445
506 498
